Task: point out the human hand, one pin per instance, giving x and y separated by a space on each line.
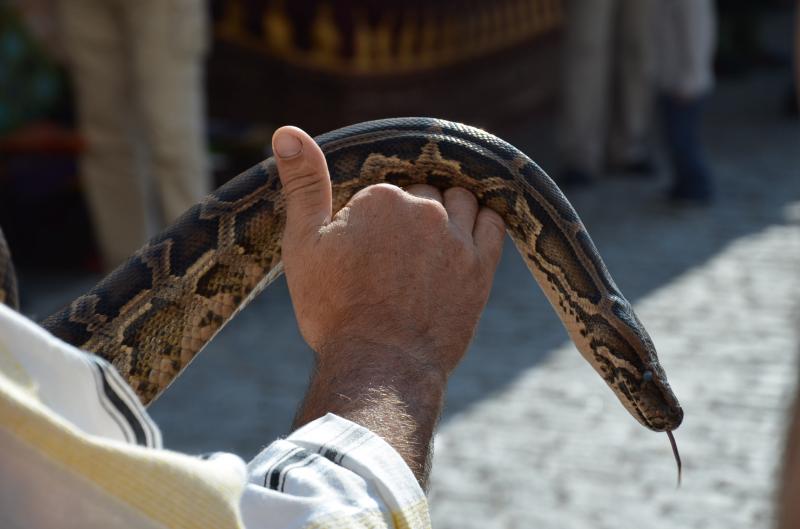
387 292
395 276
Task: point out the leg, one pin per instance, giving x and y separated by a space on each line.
797 53
788 508
631 126
169 39
585 78
110 167
681 120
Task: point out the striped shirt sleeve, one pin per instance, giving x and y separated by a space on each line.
333 473
82 388
77 439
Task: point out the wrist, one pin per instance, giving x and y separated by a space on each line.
353 376
384 390
402 355
383 360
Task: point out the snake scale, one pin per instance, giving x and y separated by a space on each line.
155 312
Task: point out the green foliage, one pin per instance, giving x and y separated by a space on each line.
30 83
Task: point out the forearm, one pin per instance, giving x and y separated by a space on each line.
389 393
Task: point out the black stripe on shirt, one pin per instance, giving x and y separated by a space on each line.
124 391
330 453
275 477
343 444
268 475
310 460
107 406
121 406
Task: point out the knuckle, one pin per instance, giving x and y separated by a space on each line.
383 192
432 211
377 200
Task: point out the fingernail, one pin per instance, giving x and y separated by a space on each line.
286 144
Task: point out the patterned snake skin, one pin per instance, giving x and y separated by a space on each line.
8 281
154 313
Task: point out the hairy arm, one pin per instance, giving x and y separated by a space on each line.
399 402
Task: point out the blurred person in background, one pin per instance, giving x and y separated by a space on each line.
40 19
137 69
30 84
797 55
603 99
788 506
685 32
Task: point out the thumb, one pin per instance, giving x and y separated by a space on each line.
305 180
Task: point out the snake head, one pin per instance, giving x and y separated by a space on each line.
624 355
643 389
656 401
646 394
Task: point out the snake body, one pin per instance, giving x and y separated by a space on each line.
154 313
8 280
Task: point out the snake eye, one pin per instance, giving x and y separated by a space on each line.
647 376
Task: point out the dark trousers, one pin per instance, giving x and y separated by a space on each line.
680 119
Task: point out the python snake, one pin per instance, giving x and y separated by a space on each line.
155 312
8 281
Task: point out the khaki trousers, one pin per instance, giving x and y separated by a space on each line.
137 69
607 82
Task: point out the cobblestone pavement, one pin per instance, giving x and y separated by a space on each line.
531 436
718 289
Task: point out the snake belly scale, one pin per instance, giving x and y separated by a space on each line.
155 312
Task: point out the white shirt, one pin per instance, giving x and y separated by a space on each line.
685 33
77 449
